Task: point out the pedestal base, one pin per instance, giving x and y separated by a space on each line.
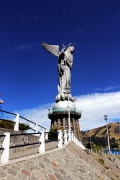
59 117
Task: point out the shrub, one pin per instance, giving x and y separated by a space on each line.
9 124
101 161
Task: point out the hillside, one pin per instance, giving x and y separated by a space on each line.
9 124
98 136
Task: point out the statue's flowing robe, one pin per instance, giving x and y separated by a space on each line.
65 62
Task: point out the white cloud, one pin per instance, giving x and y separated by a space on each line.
38 115
93 106
109 88
80 30
23 47
37 16
26 47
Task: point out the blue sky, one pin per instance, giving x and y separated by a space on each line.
29 74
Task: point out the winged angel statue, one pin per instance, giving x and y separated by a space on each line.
65 62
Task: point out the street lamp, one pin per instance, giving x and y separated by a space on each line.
105 118
90 144
69 125
119 132
1 102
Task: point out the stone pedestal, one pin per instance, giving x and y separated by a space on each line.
59 117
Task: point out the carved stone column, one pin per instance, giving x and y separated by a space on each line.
55 123
64 123
58 123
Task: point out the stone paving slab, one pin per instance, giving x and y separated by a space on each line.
70 163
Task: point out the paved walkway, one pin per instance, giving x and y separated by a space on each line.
69 163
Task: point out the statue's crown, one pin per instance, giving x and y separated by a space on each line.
71 44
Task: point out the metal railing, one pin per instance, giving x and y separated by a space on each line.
115 152
62 138
17 122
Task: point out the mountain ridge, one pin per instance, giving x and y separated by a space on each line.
98 136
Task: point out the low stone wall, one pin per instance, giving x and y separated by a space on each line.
20 140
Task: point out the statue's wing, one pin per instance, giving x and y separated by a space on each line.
53 49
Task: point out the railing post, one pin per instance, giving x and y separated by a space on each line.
42 143
77 142
65 137
5 145
16 126
69 136
46 134
72 136
59 139
74 139
36 129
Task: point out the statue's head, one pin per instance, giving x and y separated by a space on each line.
70 47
